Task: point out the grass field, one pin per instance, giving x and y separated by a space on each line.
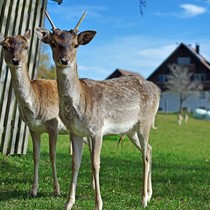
181 172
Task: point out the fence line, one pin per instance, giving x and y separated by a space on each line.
15 18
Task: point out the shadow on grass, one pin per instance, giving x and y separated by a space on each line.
19 194
174 177
23 195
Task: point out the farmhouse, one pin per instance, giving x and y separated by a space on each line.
187 56
121 73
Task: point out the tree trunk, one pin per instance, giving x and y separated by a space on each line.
180 102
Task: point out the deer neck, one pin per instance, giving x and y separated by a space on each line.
22 86
68 83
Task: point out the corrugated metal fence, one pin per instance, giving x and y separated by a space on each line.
15 18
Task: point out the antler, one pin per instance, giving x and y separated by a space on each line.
76 27
50 20
80 20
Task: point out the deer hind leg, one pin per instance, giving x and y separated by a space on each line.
95 156
89 140
77 145
36 156
53 135
70 147
135 140
146 157
149 157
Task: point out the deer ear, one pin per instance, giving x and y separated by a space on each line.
27 34
43 34
1 38
85 37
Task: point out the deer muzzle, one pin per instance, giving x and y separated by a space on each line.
15 62
64 61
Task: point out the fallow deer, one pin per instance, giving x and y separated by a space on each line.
90 108
37 101
180 118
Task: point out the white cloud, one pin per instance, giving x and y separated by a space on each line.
142 54
191 10
75 10
67 16
160 51
134 53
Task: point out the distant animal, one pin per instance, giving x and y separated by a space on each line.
186 117
180 118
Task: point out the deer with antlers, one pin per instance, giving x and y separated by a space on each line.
90 108
37 101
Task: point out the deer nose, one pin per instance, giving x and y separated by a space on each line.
64 61
15 62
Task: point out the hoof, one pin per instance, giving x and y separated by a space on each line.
69 205
149 197
57 193
33 193
144 201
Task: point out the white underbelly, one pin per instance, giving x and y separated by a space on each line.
62 128
78 128
37 126
111 127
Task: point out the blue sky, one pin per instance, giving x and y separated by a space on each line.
125 39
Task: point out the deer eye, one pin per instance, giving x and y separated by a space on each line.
26 47
76 46
53 45
5 47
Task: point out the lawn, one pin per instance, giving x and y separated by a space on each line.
181 172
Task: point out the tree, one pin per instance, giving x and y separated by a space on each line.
46 69
180 80
142 3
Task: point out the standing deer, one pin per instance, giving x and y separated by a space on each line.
125 105
37 101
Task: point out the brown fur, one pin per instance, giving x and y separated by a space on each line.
125 105
37 100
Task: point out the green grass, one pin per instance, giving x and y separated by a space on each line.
181 172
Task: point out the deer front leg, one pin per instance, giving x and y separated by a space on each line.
96 151
52 145
90 150
36 155
77 145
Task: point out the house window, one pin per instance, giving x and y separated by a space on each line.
199 77
202 94
183 60
162 78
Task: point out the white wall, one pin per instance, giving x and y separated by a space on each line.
170 101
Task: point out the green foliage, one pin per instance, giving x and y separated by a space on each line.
46 73
45 70
179 80
181 172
